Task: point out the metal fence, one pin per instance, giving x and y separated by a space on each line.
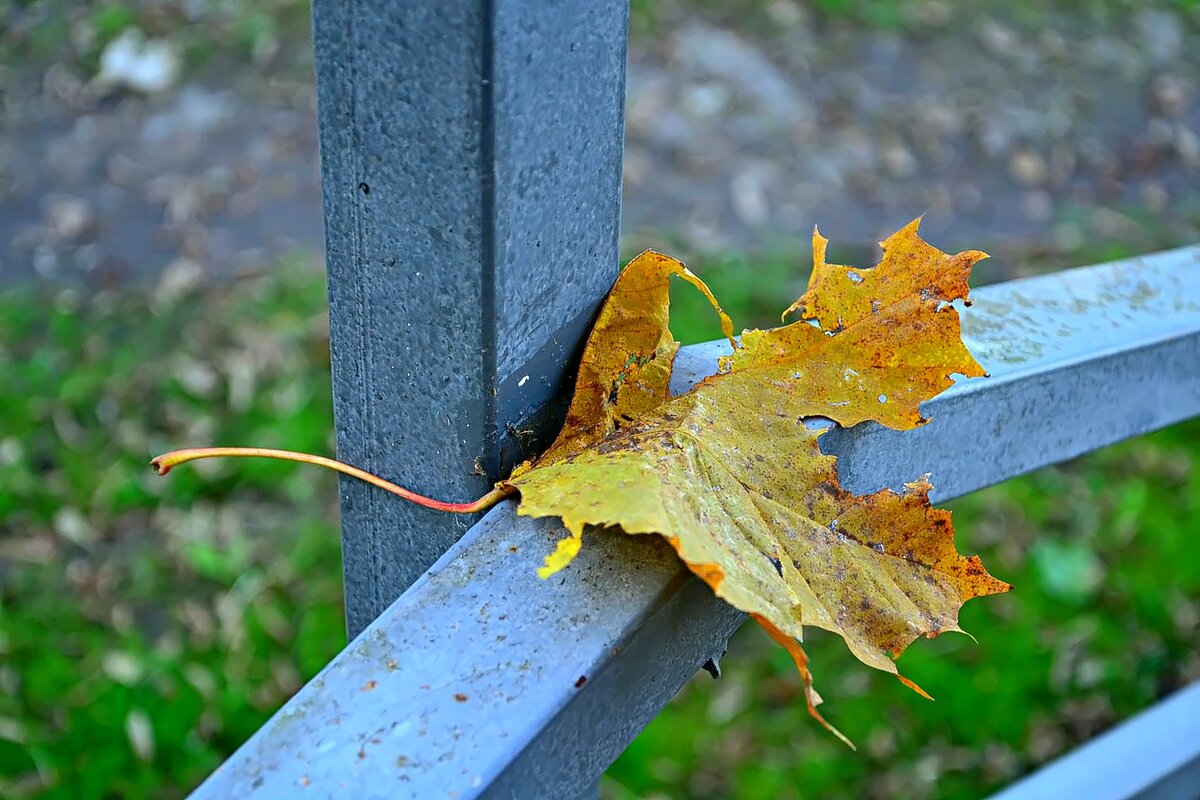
472 152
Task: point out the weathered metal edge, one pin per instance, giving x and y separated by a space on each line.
482 680
1155 755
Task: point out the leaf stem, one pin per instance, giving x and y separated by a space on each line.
163 464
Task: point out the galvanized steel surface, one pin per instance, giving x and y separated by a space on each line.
471 159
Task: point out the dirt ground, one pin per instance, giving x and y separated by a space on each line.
1039 138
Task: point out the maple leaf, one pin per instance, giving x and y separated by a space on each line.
732 474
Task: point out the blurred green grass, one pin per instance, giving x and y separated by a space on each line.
148 626
273 35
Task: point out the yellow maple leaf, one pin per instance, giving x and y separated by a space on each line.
731 474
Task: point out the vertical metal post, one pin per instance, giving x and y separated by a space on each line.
471 162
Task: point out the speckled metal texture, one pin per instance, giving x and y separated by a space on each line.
484 681
471 160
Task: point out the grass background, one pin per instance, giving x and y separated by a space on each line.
148 626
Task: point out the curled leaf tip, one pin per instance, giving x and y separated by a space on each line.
967 634
800 659
912 685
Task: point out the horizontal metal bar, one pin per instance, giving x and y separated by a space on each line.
482 680
1152 756
1078 359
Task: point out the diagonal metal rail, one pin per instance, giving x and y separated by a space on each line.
1153 756
482 680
